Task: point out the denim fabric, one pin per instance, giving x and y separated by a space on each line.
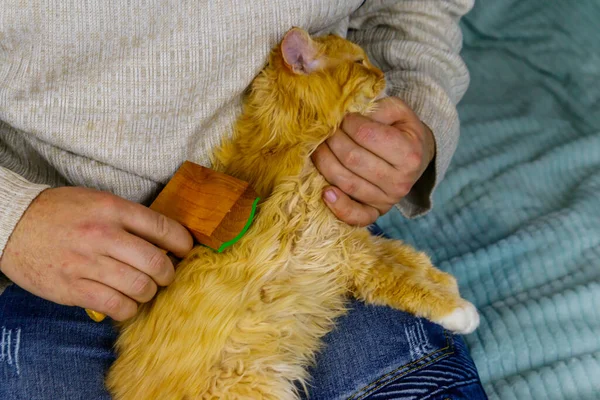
380 353
53 352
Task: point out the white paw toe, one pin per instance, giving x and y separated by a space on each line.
463 319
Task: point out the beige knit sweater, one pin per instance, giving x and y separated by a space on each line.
115 95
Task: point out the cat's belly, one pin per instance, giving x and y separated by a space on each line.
283 314
213 327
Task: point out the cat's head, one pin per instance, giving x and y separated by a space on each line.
295 103
323 77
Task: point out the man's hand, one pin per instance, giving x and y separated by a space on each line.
373 161
86 248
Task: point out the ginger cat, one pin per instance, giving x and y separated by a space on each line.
246 323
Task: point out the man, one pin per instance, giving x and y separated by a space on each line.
101 102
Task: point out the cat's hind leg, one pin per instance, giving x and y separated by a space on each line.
404 278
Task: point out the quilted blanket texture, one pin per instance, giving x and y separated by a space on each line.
517 219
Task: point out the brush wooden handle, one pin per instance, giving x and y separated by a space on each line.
216 208
213 206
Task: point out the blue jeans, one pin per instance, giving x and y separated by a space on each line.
53 352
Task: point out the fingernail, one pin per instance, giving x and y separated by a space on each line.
330 196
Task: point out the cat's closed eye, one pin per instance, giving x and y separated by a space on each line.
360 61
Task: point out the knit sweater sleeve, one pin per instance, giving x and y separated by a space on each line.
417 45
16 193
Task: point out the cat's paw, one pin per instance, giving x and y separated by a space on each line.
464 319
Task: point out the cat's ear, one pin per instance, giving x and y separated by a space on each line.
300 53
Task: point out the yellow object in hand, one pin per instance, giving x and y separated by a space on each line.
95 315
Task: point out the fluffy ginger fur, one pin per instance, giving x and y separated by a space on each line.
246 323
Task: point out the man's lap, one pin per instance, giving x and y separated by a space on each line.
381 353
50 351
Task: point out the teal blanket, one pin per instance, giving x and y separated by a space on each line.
517 219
